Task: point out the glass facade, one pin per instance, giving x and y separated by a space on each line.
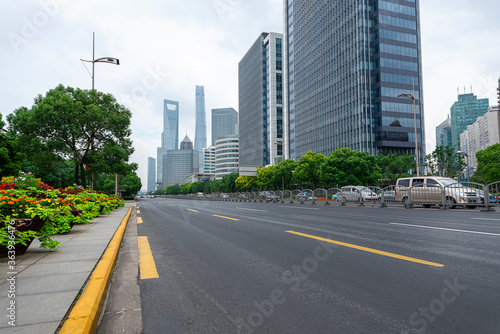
464 112
200 136
151 174
260 75
224 122
344 72
443 133
169 137
226 156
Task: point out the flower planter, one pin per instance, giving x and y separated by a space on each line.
22 225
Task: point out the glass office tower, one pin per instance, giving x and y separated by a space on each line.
200 136
347 62
169 137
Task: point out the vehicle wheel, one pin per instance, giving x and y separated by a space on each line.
472 207
406 202
344 200
426 206
450 202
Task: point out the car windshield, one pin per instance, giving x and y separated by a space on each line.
451 182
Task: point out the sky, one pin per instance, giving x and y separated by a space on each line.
168 47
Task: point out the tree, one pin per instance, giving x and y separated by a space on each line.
488 165
265 177
198 187
245 182
283 173
186 188
444 162
131 183
10 158
347 167
308 171
81 125
227 183
394 166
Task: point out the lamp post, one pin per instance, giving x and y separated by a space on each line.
410 96
467 156
109 60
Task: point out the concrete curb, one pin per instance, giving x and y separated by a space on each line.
85 314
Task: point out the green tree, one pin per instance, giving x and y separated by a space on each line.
131 183
307 172
265 178
488 165
84 126
394 166
59 174
444 162
198 187
173 190
228 183
11 159
186 188
282 174
245 182
347 167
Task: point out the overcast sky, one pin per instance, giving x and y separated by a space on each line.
168 47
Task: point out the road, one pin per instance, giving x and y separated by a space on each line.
239 267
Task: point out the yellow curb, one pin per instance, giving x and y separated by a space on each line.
85 314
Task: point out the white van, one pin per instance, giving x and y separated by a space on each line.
428 190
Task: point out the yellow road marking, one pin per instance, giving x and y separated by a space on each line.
192 210
225 217
138 211
139 220
371 250
146 261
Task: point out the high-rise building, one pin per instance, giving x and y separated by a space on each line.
464 112
180 163
200 136
346 62
186 144
224 122
169 136
480 135
226 156
151 174
260 86
209 160
443 133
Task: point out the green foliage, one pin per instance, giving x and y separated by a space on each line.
186 188
11 158
227 184
348 167
88 127
198 187
488 165
443 161
130 182
265 178
308 171
394 166
172 190
283 175
245 182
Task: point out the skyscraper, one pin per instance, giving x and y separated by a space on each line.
169 136
151 174
180 163
224 122
260 86
464 112
200 136
344 71
443 133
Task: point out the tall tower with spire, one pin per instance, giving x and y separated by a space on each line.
200 136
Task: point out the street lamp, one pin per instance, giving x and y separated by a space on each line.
467 156
410 96
109 60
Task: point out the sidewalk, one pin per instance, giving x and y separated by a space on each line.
47 282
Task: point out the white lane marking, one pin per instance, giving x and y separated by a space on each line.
446 229
486 219
296 207
251 209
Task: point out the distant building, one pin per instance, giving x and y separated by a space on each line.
224 122
180 163
464 112
209 160
226 156
169 136
260 87
151 175
443 133
200 136
480 135
186 144
196 177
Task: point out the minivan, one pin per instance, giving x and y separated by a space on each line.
428 190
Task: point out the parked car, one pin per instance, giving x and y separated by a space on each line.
305 196
336 196
354 193
388 195
428 191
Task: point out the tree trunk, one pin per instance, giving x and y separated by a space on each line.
82 172
76 172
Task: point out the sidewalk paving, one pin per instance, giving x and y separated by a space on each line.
47 282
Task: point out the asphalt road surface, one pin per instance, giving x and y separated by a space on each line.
239 267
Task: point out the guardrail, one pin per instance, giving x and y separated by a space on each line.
467 194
